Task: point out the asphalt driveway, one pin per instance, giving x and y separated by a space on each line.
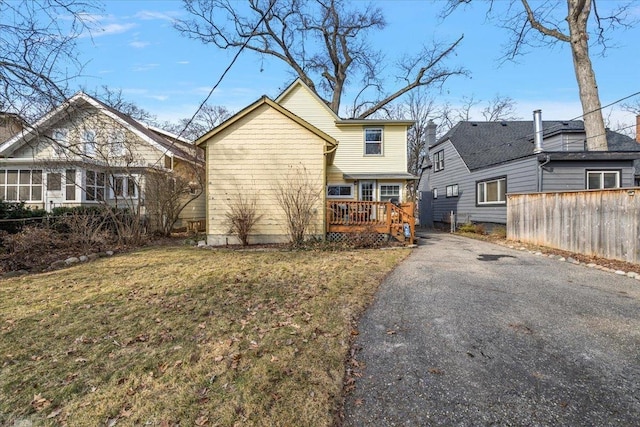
470 333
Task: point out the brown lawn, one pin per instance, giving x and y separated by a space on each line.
175 335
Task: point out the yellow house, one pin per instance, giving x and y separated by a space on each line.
358 168
86 153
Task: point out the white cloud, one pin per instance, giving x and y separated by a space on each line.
158 97
113 28
144 67
138 44
151 15
183 62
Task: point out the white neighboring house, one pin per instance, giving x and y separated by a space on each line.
86 153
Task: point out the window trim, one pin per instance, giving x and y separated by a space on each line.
455 190
381 142
438 161
618 173
394 184
486 181
95 186
127 180
18 185
330 196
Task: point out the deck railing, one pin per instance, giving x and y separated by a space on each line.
383 217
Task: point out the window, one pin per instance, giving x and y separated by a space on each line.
89 143
435 193
70 184
340 191
438 161
54 181
452 190
492 192
116 144
61 138
94 186
373 142
389 191
123 186
597 180
21 185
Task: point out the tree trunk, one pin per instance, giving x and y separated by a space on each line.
585 76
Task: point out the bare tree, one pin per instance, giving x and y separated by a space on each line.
544 23
37 53
500 108
116 100
208 117
324 42
420 108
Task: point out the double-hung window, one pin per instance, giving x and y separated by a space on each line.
373 141
70 184
597 180
116 144
452 190
60 141
492 191
438 161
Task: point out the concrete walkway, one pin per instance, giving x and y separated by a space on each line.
470 333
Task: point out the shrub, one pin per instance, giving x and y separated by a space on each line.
20 214
32 247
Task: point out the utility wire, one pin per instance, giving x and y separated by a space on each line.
222 76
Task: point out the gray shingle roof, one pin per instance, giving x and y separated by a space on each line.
482 144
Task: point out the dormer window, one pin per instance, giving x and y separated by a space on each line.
373 141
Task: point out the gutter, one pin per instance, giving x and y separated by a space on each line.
541 171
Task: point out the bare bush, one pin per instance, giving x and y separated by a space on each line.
242 217
298 197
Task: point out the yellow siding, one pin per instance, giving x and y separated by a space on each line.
350 156
252 157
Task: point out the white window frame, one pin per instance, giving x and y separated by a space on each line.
93 189
128 181
61 138
116 144
383 198
19 186
602 174
435 193
502 190
70 185
89 143
438 161
340 196
368 142
452 190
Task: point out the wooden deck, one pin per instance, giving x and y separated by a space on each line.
380 217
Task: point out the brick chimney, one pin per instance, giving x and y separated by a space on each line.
638 128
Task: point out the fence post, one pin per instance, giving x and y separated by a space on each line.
453 222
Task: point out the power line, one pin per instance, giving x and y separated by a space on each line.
222 76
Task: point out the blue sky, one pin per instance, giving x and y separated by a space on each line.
139 52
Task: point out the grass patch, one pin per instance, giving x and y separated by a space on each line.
168 336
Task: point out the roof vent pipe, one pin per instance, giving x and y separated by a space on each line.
537 131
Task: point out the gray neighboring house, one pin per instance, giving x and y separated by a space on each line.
474 165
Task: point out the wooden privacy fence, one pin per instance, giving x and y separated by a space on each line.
603 223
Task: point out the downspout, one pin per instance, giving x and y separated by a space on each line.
541 171
324 192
